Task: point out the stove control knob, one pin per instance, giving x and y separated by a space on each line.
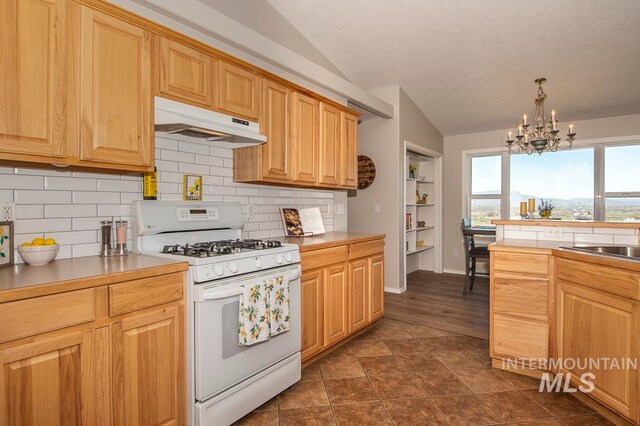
233 267
287 257
218 270
278 258
258 263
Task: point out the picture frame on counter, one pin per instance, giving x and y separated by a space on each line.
6 244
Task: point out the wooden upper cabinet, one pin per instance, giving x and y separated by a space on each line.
116 91
238 90
48 382
330 145
349 172
186 73
32 77
304 138
149 390
275 125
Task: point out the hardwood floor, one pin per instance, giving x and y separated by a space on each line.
436 300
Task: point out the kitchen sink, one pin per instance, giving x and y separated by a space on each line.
625 252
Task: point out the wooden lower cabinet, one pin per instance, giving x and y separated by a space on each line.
342 292
593 325
312 298
123 370
48 382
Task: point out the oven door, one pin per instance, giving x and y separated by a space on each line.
220 362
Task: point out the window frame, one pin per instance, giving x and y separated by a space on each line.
600 195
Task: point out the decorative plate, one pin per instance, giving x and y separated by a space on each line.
366 171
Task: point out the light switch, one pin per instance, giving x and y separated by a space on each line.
376 208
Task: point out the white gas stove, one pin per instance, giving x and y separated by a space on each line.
226 380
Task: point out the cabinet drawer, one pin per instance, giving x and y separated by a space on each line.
525 263
323 257
29 317
518 338
603 278
139 294
365 249
521 297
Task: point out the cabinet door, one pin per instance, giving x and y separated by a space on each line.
116 99
186 73
32 83
311 287
595 326
238 93
274 123
148 369
47 382
336 298
304 138
330 146
358 294
376 287
349 171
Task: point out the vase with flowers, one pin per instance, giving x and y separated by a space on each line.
412 171
545 208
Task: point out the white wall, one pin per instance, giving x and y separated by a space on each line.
628 125
68 205
382 140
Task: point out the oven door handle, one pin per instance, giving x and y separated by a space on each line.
217 295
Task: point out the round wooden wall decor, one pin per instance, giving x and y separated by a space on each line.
366 171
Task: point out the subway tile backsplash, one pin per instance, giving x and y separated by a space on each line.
68 206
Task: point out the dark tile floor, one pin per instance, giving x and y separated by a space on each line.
403 374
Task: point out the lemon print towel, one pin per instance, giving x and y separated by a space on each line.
278 290
254 324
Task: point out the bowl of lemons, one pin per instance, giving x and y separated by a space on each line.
39 251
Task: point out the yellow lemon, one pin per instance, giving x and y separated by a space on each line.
37 242
49 242
26 244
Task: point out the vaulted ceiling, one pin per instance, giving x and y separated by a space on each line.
470 64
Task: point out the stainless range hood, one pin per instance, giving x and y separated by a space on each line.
186 122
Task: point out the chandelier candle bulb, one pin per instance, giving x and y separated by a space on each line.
524 120
571 127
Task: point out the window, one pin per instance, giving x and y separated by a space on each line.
486 189
622 182
593 182
565 177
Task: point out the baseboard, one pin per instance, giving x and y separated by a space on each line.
395 290
453 271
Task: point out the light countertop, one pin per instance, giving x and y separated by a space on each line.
21 281
330 239
568 223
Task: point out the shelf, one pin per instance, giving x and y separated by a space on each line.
424 181
411 205
419 249
422 205
424 228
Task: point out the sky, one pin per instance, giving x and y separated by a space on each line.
560 175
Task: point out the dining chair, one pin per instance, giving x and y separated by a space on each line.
471 254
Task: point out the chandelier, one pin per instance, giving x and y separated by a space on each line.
544 135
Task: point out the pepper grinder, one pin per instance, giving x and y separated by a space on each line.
121 238
105 227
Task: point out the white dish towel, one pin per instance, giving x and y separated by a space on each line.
253 324
278 290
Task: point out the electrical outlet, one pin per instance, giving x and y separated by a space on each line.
339 208
553 232
376 208
455 253
251 211
7 212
